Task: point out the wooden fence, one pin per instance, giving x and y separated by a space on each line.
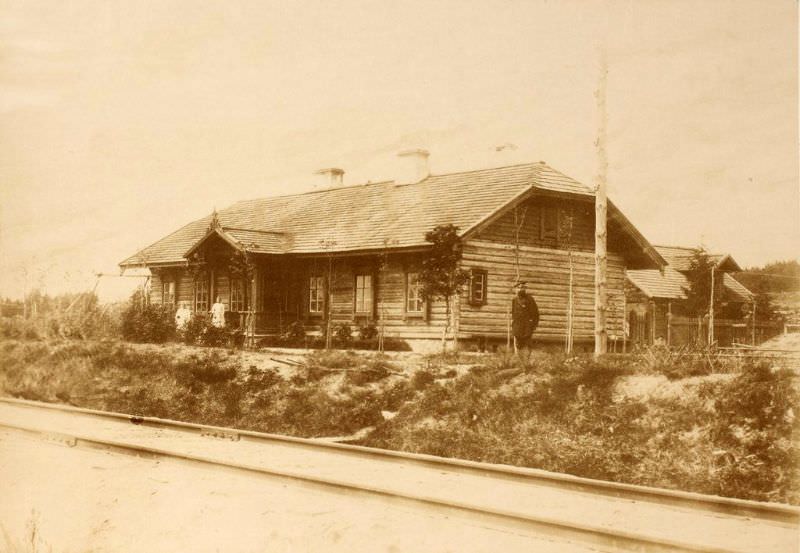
691 330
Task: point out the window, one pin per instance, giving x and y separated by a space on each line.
363 294
548 229
415 302
316 294
168 293
477 287
201 295
237 295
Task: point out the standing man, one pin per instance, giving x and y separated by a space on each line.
524 317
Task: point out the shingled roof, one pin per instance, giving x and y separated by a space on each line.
680 258
671 283
367 217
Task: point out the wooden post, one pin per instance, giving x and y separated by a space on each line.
250 325
669 323
754 322
329 305
212 289
711 311
601 208
456 319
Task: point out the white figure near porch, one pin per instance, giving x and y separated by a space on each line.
218 313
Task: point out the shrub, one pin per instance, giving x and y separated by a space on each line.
368 331
343 334
199 331
18 328
422 379
195 328
332 359
143 322
210 369
372 371
295 332
753 433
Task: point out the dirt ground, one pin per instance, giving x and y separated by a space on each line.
110 502
789 342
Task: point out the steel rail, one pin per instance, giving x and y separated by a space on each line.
704 503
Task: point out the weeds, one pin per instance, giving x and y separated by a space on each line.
209 386
732 435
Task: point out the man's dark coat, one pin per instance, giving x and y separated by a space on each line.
524 316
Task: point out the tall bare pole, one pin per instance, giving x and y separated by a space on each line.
711 311
601 211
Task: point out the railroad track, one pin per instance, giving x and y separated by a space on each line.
611 516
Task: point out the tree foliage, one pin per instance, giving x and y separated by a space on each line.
441 276
698 295
144 322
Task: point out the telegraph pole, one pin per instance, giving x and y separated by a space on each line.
711 311
601 212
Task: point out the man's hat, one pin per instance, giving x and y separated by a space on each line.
521 284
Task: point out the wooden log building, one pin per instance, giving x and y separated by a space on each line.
655 301
353 253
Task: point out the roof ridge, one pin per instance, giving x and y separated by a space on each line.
392 181
256 230
673 247
530 163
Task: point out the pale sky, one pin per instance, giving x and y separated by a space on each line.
121 121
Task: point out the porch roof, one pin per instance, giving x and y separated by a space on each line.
737 288
374 216
669 284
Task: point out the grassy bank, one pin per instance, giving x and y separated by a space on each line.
678 426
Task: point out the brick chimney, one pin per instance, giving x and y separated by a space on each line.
329 178
413 166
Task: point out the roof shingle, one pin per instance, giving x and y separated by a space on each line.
364 217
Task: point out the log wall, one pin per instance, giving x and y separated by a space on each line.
547 273
573 221
389 289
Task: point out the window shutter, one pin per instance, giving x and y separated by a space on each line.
548 228
478 286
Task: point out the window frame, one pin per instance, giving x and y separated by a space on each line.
238 295
420 299
202 286
482 298
367 303
316 283
168 292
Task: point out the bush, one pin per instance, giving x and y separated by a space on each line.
199 331
295 332
210 369
367 331
73 316
373 371
332 359
753 434
343 334
422 379
143 322
18 328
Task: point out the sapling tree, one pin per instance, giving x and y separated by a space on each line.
442 276
698 294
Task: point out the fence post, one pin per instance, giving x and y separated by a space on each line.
669 323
